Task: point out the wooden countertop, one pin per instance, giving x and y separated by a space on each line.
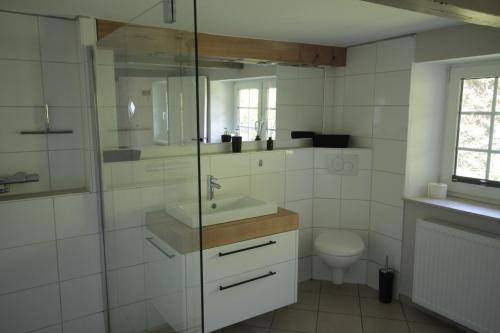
185 239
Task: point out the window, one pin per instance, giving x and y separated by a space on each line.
248 112
256 108
471 146
271 112
477 156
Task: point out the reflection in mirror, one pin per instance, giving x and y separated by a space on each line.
156 106
155 84
247 105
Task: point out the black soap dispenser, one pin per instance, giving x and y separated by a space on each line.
270 143
226 137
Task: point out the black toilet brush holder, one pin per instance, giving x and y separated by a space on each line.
385 283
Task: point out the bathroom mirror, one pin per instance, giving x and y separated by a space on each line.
155 103
153 86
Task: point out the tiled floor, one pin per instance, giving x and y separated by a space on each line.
325 308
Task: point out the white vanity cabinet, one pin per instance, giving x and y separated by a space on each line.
165 276
245 279
173 284
240 280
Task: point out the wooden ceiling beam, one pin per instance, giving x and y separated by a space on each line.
105 27
482 12
227 48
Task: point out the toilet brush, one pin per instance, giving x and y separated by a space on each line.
385 282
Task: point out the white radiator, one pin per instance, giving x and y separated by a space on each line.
457 275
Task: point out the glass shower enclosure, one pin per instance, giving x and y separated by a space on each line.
148 133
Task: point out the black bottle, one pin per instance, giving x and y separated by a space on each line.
226 137
270 143
236 142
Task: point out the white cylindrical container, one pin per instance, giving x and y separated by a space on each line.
437 190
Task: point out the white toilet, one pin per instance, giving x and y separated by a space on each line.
339 249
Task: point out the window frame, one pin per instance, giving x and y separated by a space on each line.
465 186
261 83
266 85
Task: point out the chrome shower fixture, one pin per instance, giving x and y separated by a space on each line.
47 130
17 178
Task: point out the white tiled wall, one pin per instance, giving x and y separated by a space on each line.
131 190
296 179
50 247
51 262
299 175
341 202
299 100
41 62
281 176
370 102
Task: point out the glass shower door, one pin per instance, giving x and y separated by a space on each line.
146 79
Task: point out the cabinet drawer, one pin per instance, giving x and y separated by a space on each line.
236 298
248 255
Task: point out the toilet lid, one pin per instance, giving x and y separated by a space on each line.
339 243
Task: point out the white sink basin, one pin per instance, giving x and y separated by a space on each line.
219 210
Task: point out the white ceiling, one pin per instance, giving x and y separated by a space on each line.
328 22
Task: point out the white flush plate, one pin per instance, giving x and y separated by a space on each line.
344 165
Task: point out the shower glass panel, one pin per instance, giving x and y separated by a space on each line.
146 79
42 109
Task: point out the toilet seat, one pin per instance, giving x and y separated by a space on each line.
339 243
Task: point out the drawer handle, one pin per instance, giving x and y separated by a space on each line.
150 240
247 281
222 254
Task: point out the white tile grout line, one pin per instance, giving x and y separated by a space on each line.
61 323
42 85
40 61
53 283
272 321
360 311
44 327
317 312
57 261
61 239
388 204
405 316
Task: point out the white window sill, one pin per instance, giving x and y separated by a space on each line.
462 205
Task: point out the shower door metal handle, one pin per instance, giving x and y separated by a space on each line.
168 255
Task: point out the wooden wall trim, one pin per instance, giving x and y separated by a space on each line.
241 49
215 46
105 27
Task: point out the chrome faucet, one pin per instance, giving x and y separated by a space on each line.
211 184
